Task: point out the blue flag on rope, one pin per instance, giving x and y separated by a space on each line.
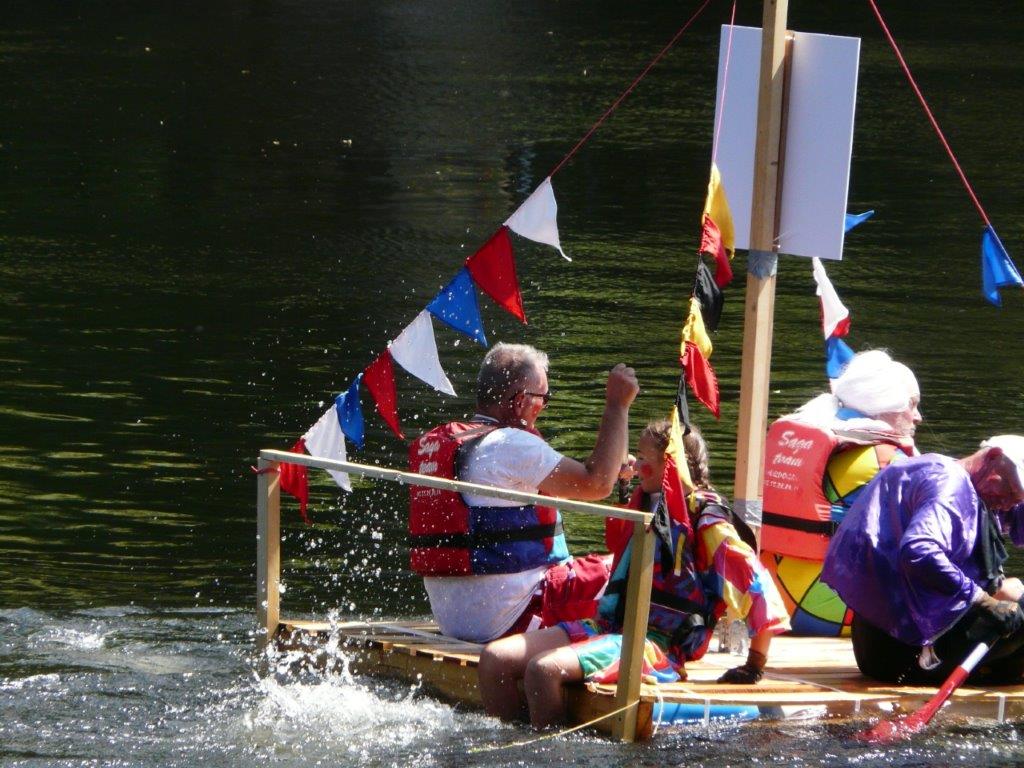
997 269
853 219
350 413
456 306
837 355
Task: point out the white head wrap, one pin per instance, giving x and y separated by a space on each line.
873 384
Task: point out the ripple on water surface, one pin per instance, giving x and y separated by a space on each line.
132 686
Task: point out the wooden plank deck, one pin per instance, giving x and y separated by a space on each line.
806 672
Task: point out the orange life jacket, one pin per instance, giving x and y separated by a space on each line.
797 519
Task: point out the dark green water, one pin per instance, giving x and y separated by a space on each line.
213 215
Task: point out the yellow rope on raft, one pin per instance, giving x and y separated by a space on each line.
556 734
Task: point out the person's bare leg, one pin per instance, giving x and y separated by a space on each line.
545 676
503 664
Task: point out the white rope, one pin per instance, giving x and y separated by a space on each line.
412 478
661 710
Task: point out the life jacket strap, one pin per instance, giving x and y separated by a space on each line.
487 538
823 527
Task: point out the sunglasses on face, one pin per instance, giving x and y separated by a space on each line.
545 396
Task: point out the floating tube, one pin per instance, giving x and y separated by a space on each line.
668 713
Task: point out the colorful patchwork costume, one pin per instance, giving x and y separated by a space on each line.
698 575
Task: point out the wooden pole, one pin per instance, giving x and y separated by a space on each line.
268 551
760 298
634 631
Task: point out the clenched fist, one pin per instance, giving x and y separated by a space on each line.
622 386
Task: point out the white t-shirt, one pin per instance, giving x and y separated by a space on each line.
481 608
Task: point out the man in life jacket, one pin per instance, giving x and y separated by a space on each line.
817 461
494 567
919 559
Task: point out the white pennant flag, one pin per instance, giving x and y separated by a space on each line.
833 313
536 218
415 349
326 441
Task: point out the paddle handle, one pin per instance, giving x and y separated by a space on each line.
954 681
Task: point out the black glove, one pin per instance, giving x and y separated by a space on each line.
749 673
995 618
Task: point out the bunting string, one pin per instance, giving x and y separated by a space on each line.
997 268
492 270
928 112
629 90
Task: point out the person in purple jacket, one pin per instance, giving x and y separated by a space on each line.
919 559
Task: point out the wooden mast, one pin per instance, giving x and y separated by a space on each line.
762 259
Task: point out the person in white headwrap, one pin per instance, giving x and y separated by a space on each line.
873 393
817 461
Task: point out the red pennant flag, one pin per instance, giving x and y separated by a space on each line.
711 244
701 377
295 481
494 271
379 379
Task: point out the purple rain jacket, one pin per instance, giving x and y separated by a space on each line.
903 557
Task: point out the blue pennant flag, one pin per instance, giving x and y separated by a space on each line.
456 306
853 219
837 355
350 413
997 269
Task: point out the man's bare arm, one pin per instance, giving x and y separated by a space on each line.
595 478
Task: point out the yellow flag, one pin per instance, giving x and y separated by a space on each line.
716 206
675 453
693 330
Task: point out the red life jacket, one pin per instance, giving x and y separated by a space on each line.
797 517
450 538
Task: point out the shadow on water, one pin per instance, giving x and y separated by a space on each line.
215 215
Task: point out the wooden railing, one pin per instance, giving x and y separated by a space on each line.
638 590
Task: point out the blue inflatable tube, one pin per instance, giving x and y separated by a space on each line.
669 713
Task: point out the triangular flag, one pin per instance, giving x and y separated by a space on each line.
682 407
456 306
350 414
710 296
537 217
675 454
325 441
835 317
853 219
997 269
379 379
701 378
295 481
711 243
415 349
837 355
716 206
693 331
494 271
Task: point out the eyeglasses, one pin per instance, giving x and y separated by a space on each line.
546 396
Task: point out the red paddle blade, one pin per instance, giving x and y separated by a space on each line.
891 731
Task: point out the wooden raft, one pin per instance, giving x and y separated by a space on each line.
802 672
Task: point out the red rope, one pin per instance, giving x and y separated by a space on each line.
928 112
629 90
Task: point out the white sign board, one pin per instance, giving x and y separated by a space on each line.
819 137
